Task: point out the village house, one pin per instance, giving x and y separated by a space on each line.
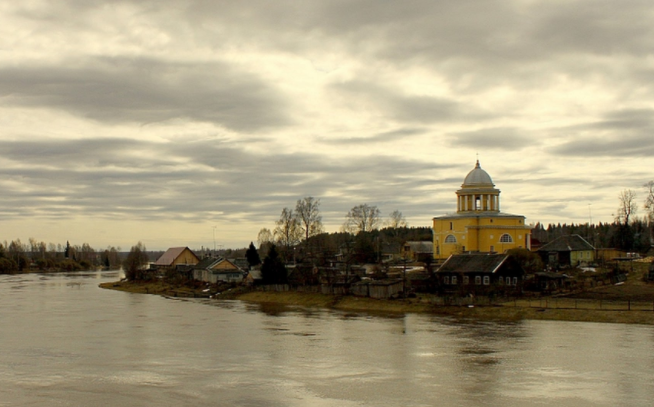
479 273
418 251
213 270
566 251
175 257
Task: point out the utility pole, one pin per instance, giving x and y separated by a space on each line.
214 241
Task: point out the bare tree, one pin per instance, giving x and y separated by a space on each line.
135 261
649 200
362 218
307 211
287 233
627 206
396 220
264 236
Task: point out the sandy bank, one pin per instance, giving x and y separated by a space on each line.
507 312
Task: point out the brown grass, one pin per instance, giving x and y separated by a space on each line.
607 304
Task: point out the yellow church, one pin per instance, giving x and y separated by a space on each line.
478 226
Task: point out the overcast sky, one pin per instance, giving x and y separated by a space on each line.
156 121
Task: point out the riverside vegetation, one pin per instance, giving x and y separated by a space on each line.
635 291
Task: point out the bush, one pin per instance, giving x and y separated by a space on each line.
7 266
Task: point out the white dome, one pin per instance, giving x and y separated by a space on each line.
478 177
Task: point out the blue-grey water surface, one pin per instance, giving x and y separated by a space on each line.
66 342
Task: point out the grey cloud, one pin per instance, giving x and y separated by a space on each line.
104 178
384 137
474 43
406 108
620 134
502 138
147 90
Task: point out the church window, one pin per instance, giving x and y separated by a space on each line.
446 280
501 280
451 226
450 239
477 204
454 280
478 280
515 280
492 249
506 238
486 280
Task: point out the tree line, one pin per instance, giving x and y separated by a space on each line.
627 232
299 236
16 256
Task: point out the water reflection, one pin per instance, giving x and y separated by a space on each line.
68 342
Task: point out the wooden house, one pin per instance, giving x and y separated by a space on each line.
478 273
418 251
566 251
213 270
176 256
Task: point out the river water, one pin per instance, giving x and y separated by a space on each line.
66 342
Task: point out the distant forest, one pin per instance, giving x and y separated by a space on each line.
368 246
636 236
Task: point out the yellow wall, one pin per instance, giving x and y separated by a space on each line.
478 234
582 256
186 257
225 265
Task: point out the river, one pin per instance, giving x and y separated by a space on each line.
66 342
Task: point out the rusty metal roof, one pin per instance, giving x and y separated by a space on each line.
473 263
169 256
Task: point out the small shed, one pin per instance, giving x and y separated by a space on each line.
548 282
418 251
380 289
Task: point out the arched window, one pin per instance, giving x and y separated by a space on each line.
450 239
506 238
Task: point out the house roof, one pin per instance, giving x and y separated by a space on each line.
569 243
207 262
170 255
211 262
421 247
473 263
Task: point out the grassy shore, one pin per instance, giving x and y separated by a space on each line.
503 312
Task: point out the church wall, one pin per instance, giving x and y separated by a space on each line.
475 234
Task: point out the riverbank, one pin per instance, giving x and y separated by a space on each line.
510 311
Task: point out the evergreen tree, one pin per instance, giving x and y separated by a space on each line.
252 255
273 270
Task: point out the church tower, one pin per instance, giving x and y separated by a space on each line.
478 226
478 193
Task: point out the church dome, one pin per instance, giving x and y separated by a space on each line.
477 178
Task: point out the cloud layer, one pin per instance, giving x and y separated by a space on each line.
156 121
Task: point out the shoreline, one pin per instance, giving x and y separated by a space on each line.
508 312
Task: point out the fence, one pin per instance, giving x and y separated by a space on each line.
583 304
541 303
